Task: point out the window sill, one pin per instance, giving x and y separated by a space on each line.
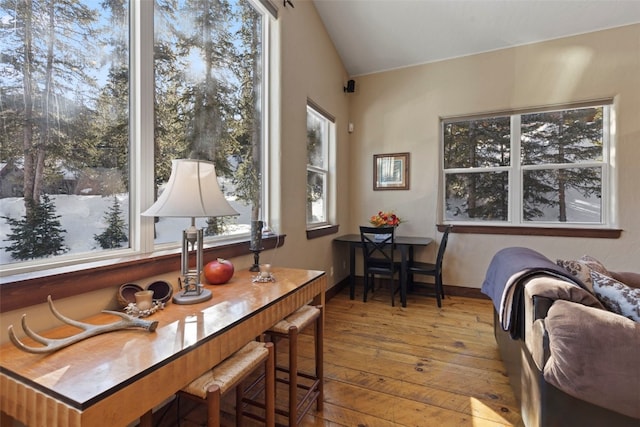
326 230
601 233
26 289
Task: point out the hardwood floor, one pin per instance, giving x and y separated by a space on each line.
388 366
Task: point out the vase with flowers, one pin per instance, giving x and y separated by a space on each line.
384 219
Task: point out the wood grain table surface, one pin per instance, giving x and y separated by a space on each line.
114 378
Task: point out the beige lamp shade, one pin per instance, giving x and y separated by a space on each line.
192 191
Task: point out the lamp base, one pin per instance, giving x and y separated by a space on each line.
183 299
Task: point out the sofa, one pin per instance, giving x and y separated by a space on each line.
568 332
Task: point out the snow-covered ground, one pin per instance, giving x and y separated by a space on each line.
83 217
579 210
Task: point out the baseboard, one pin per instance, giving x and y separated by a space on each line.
463 291
458 291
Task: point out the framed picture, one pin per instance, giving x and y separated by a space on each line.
391 171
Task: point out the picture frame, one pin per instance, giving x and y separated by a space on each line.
391 171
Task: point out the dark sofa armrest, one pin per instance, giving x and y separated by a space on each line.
539 342
541 306
539 350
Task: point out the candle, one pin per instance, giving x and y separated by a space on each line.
144 300
265 270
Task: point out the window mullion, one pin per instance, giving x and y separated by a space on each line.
142 124
515 174
609 186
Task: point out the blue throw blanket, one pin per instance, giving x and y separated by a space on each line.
508 270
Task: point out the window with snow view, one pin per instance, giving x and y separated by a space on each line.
548 167
83 106
320 130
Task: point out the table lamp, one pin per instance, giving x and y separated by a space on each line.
192 191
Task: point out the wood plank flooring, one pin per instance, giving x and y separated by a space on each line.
390 366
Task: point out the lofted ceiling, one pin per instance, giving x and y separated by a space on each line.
378 35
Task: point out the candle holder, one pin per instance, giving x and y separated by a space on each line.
256 243
256 260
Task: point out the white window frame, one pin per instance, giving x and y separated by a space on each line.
516 169
328 144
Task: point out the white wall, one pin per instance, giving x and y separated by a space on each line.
399 111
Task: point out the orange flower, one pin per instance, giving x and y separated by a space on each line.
385 219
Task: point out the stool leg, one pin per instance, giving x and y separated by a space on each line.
270 386
213 406
293 376
319 338
239 396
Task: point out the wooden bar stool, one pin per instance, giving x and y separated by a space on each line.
229 374
289 328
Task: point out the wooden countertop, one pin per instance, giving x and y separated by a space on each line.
112 379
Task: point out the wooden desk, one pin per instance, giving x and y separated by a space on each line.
114 378
406 246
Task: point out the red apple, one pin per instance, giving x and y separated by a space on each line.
218 272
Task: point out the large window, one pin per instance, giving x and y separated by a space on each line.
547 167
319 137
79 125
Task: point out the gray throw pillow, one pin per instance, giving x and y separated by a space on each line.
616 296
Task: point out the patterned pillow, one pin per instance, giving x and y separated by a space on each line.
616 296
582 269
594 265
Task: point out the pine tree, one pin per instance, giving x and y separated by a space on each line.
115 233
247 126
38 234
479 144
567 137
47 53
216 225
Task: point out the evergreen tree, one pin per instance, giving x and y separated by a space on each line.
197 113
46 47
566 137
217 225
247 126
111 124
38 234
171 89
478 144
115 233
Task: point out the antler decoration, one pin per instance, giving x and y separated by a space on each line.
89 330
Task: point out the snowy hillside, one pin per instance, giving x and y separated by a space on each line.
83 216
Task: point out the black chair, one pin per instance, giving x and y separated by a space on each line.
378 246
429 269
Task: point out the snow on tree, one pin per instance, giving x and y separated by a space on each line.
116 232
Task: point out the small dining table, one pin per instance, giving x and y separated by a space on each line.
405 244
